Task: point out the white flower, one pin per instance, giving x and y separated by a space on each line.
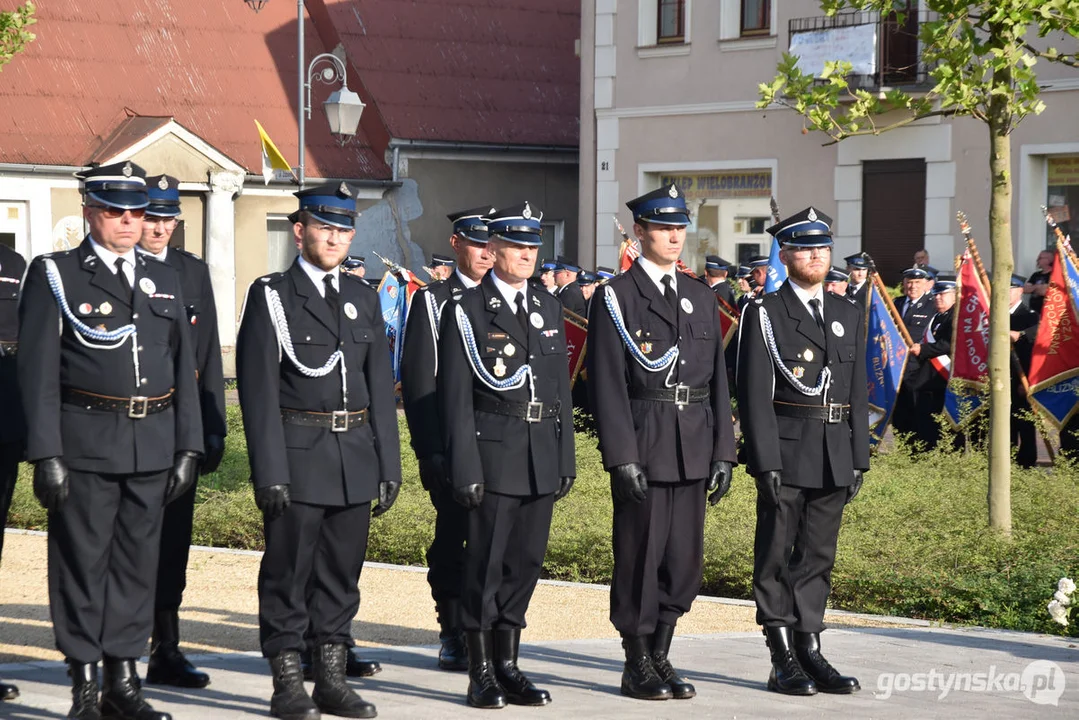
1066 586
1062 598
1058 612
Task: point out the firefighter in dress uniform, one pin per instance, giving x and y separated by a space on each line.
569 288
419 370
715 277
107 373
929 384
504 395
805 417
915 307
316 389
859 266
658 382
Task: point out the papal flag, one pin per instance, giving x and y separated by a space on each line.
1054 362
272 159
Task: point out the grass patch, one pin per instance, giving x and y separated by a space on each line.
914 543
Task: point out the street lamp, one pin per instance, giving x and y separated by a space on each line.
343 107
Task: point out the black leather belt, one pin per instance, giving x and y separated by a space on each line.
137 407
9 348
527 411
679 394
336 421
831 413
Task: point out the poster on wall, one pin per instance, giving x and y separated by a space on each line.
857 44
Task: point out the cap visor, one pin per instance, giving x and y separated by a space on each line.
341 221
120 199
518 238
668 219
162 210
476 237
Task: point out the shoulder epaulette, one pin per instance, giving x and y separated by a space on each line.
271 278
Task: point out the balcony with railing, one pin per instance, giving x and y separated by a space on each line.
884 52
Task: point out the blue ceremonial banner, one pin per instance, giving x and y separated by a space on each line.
777 271
886 358
392 300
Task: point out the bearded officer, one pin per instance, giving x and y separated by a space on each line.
663 413
507 418
107 374
12 424
316 389
807 448
419 368
168 666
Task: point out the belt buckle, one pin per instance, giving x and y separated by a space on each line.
835 413
138 406
681 395
339 421
534 412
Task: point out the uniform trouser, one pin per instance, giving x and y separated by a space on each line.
658 555
793 556
10 454
1024 434
310 575
904 415
446 556
103 549
507 539
927 403
175 548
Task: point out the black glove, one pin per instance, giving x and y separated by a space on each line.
854 488
272 500
629 483
215 450
470 495
183 475
433 468
719 481
387 496
564 487
50 483
768 486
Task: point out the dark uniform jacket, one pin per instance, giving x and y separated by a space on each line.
52 357
12 269
672 445
419 363
202 316
859 295
928 378
1025 321
507 454
802 449
722 290
916 320
573 299
322 467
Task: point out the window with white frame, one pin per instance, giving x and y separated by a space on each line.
756 18
553 232
280 245
747 19
663 22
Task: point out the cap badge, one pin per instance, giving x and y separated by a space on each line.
127 169
527 213
344 190
163 184
812 215
673 192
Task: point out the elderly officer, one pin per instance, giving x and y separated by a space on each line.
715 276
933 350
507 419
168 666
837 281
807 448
659 393
316 390
569 289
419 368
858 268
915 307
107 374
441 266
12 425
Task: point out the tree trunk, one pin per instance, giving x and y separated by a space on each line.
1000 241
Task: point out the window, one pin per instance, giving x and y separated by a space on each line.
671 21
553 232
756 17
280 247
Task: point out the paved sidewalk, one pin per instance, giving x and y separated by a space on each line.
729 671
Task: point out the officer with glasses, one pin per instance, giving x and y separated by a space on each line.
107 373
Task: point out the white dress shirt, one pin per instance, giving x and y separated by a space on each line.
509 293
109 258
464 280
656 273
805 296
316 274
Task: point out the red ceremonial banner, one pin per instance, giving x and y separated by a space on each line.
970 344
1054 362
576 342
627 255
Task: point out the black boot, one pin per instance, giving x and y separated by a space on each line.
84 691
332 693
8 691
452 654
787 675
290 700
661 646
355 666
639 677
519 689
122 697
483 688
168 666
826 677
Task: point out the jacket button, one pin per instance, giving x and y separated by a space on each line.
144 381
307 339
134 316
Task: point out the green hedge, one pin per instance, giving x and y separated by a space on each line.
914 543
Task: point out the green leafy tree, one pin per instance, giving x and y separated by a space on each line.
981 58
14 36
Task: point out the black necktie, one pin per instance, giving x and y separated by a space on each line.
522 314
668 292
333 299
124 284
815 304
